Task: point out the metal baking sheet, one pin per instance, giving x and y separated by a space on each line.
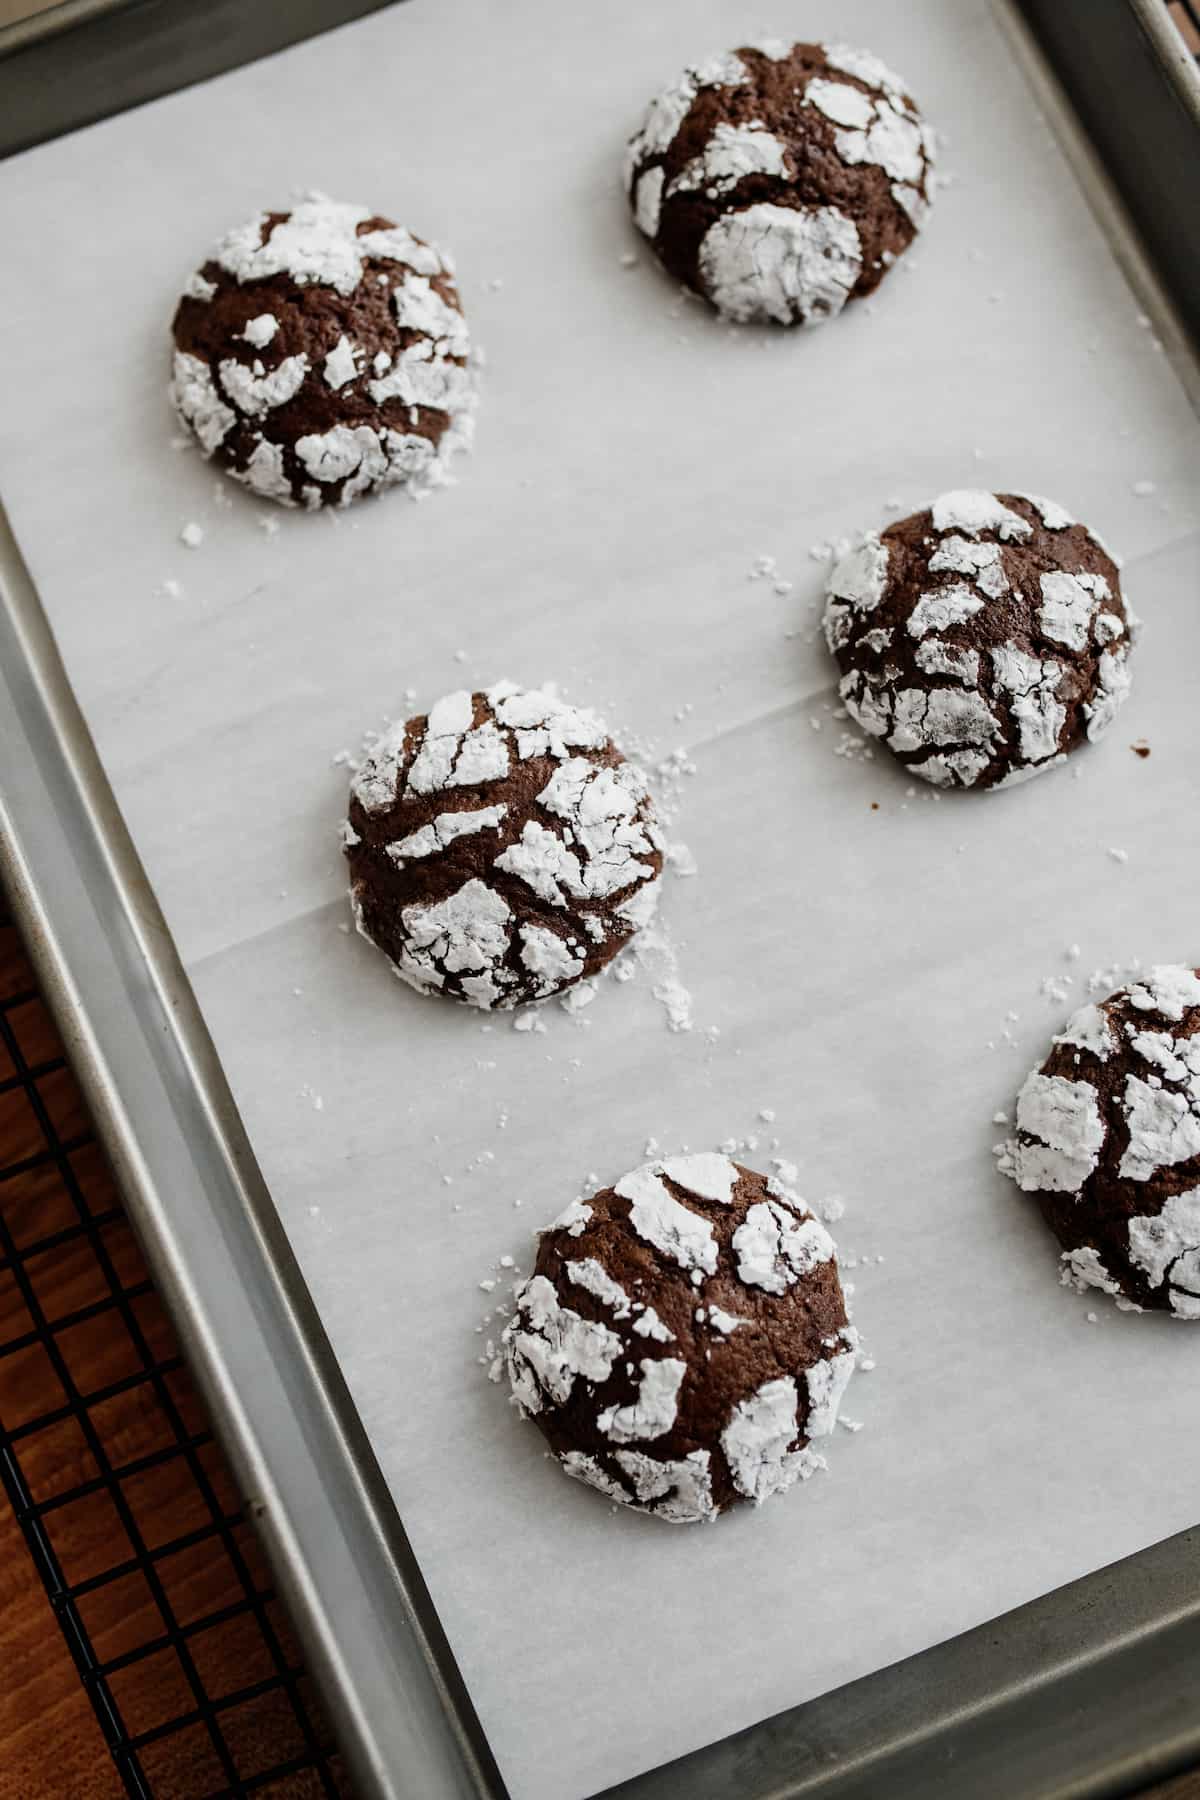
561 321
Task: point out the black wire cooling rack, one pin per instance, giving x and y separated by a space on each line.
130 1515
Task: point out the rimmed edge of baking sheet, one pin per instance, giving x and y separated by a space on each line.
65 15
85 60
198 1202
1109 210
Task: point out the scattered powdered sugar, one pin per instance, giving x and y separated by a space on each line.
653 952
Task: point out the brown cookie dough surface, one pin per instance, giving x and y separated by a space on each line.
1108 1141
501 848
683 1338
321 354
780 180
982 639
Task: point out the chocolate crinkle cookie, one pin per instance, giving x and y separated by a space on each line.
983 639
782 180
1108 1141
501 849
683 1338
321 354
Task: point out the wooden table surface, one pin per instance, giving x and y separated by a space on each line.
197 1618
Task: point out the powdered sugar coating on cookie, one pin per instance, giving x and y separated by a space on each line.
781 180
1108 1140
719 1381
321 354
982 639
501 848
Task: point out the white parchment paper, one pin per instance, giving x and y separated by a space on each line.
875 975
